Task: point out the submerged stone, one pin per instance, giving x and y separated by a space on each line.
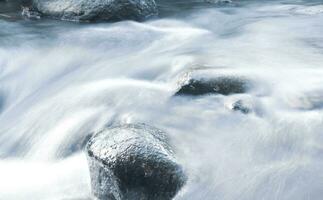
133 162
241 106
245 104
30 13
97 10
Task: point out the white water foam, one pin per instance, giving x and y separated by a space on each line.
61 81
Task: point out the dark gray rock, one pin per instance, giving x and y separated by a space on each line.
220 85
133 162
208 81
30 13
241 107
245 104
97 10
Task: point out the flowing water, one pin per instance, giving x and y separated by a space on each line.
60 81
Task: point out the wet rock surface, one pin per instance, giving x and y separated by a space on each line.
97 10
245 104
208 81
241 106
133 162
220 85
30 13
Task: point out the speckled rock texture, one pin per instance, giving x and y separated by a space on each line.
204 81
97 10
131 162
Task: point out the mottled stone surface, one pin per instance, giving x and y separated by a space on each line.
133 162
97 10
207 81
241 106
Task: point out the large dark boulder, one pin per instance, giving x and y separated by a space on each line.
210 81
96 10
133 162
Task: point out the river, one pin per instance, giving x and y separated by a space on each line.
60 81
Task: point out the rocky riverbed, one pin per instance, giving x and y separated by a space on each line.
230 92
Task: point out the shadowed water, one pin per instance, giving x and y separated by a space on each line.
60 81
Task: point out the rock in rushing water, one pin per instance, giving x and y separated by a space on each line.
133 162
241 106
29 13
97 10
208 81
245 104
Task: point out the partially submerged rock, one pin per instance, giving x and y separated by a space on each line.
245 104
97 10
133 162
208 81
30 13
241 106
